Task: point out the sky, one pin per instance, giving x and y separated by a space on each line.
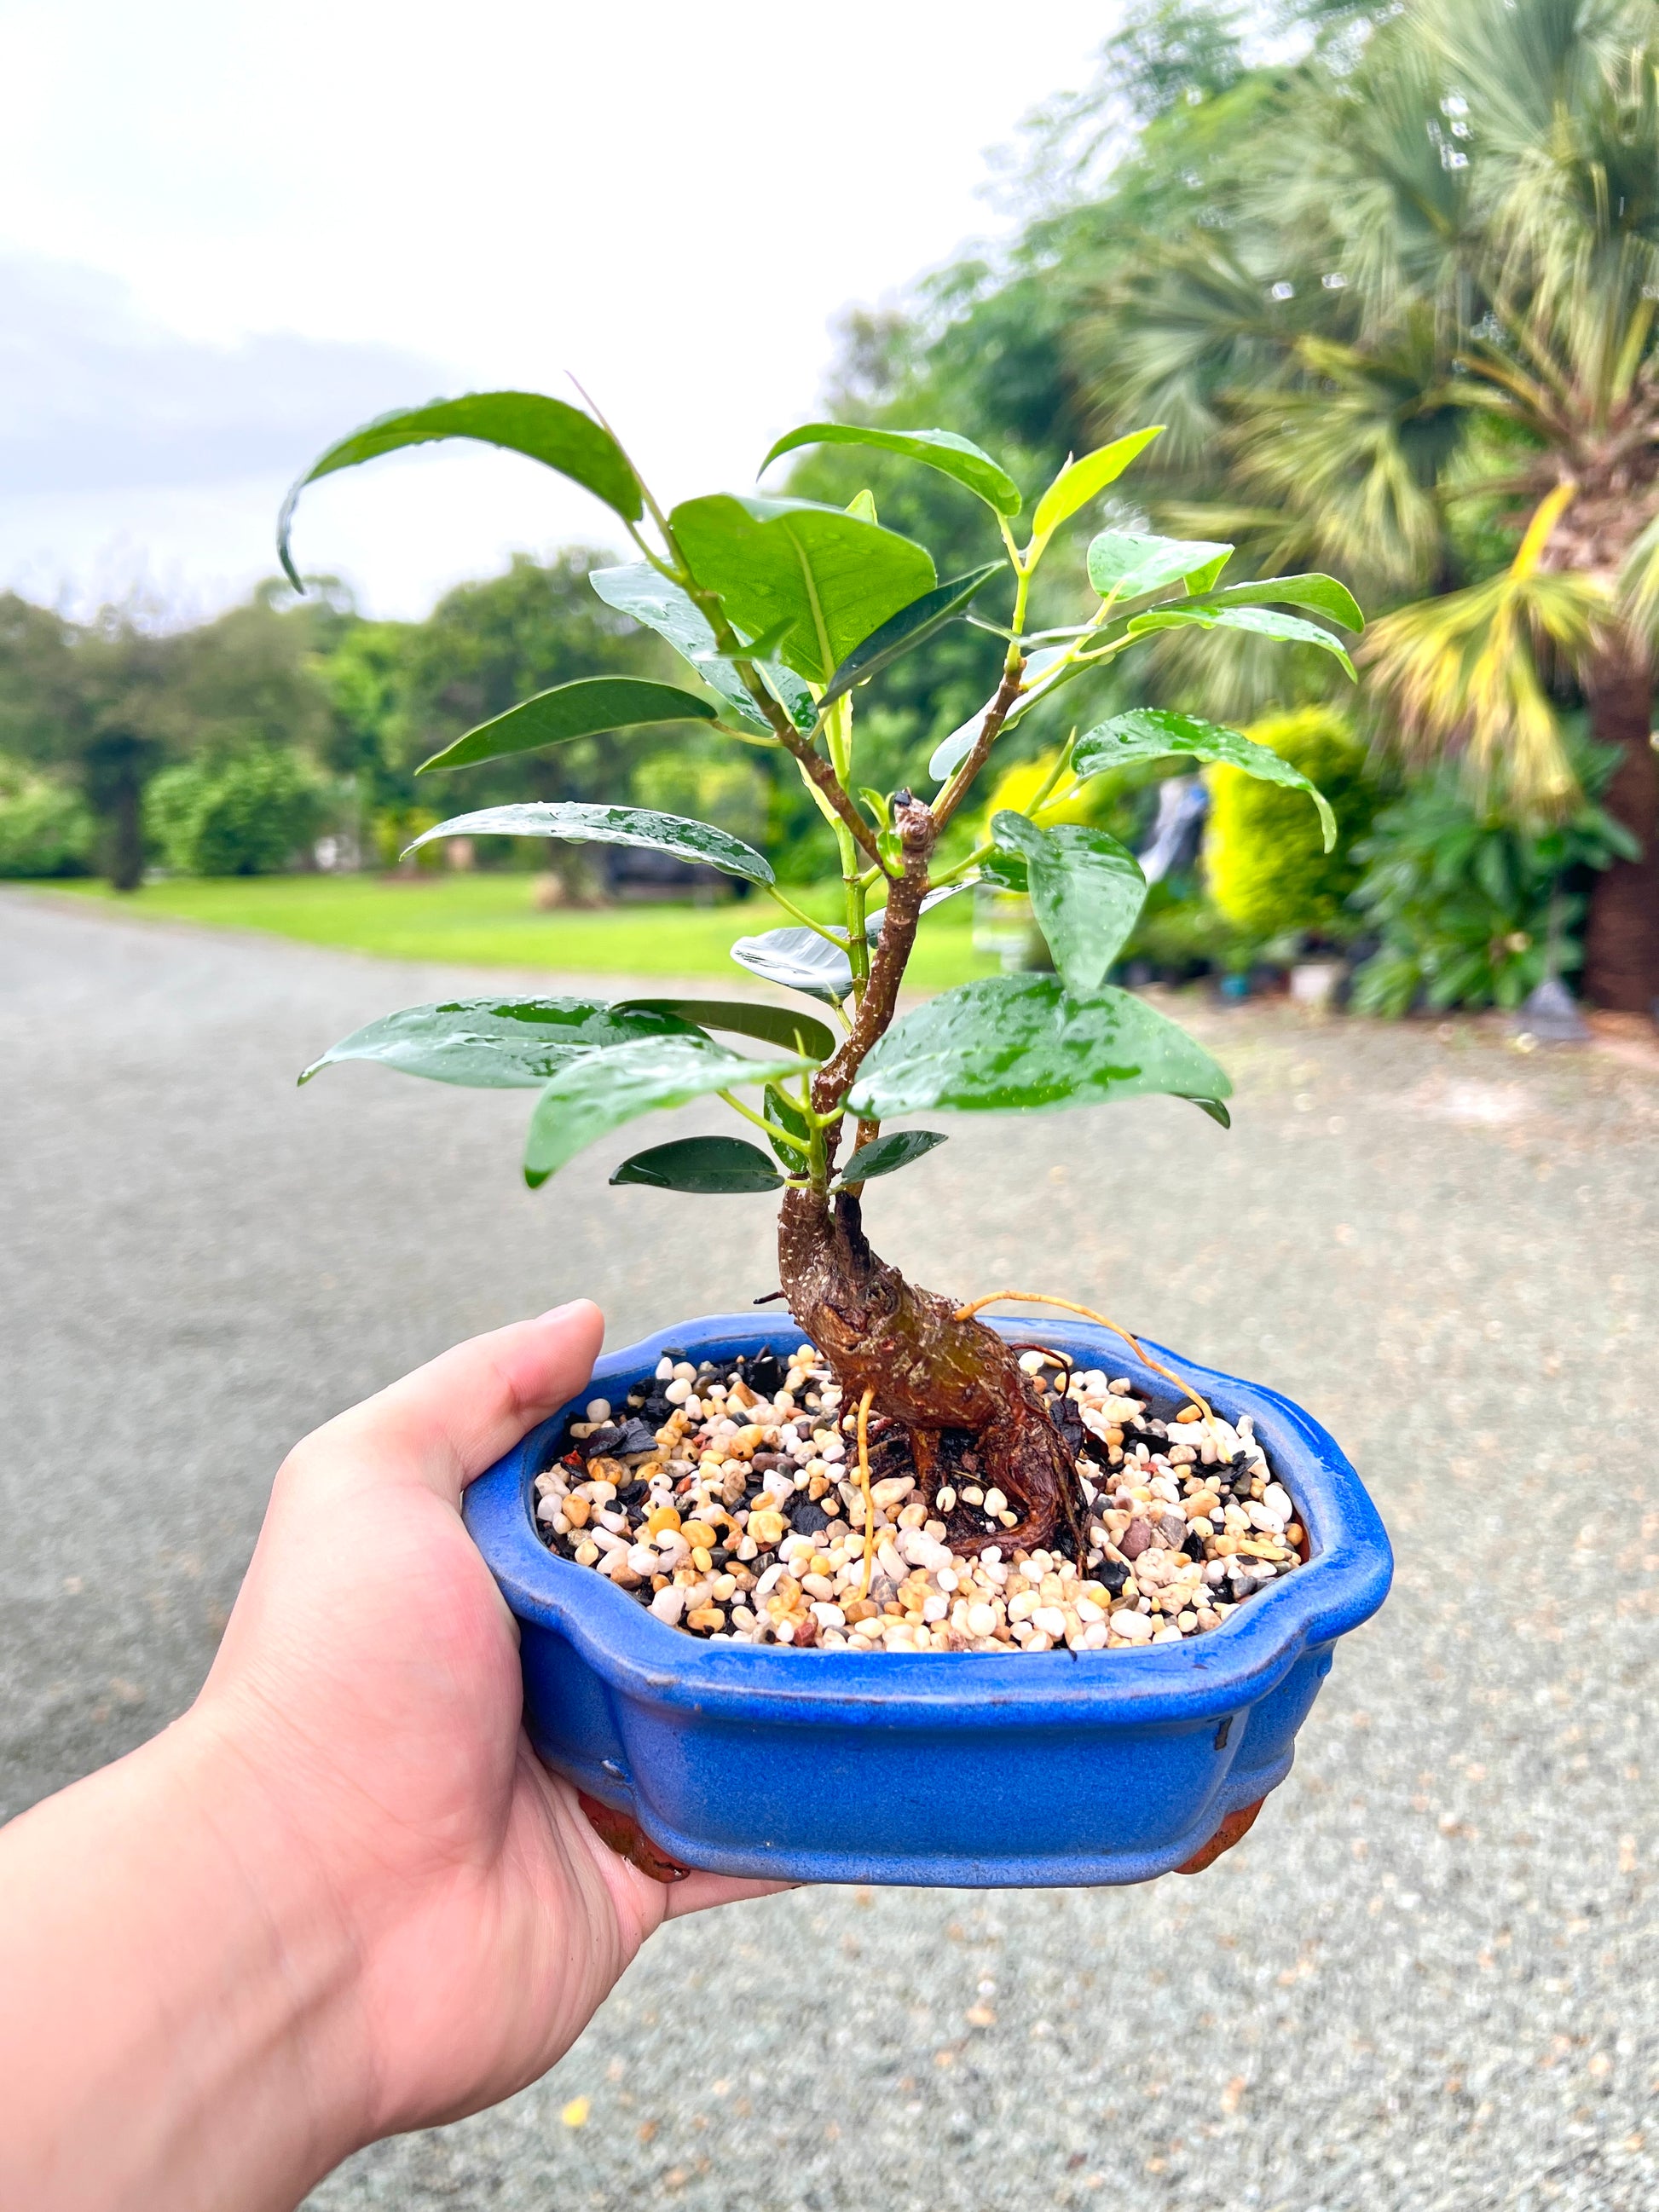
229 233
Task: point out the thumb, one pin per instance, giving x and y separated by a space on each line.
453 1417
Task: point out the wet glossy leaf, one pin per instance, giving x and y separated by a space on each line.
1263 622
1085 889
937 449
801 959
1081 481
886 1156
708 1165
1216 1111
910 627
1126 564
799 1032
528 423
1322 594
833 577
639 591
1024 1041
498 1044
594 1096
579 823
782 1113
582 709
1157 733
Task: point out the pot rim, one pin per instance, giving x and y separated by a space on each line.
1342 1582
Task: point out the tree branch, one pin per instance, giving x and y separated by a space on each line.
995 716
918 832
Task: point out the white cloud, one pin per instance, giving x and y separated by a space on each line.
673 201
96 396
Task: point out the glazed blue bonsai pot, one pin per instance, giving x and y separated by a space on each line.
960 1768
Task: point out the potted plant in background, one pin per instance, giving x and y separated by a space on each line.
880 1593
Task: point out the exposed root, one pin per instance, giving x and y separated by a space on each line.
863 1484
1042 1298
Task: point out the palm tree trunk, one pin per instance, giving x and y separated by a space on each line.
1621 943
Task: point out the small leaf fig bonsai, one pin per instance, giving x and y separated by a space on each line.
783 610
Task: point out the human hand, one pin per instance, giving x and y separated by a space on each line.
340 1898
370 1673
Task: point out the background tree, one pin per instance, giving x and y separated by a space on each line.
1425 326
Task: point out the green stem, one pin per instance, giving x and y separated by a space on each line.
772 1129
801 915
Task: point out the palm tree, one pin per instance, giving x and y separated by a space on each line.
1429 324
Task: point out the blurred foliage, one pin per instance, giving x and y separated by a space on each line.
1473 910
1264 857
246 810
46 828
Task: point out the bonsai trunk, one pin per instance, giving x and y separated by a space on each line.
928 1370
1621 944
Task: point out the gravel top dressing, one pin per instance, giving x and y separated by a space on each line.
730 1501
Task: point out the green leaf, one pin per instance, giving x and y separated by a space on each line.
781 1025
782 1113
1129 563
579 824
832 577
1322 594
1216 1111
910 627
523 422
580 709
800 959
886 1156
938 449
639 591
1081 481
1086 891
1291 630
594 1096
498 1044
1157 733
704 1164
1024 1041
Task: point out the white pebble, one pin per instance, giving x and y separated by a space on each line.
945 1498
995 1502
1049 1619
598 1409
665 1370
1277 1499
828 1615
644 1560
1134 1628
668 1605
548 1509
982 1620
1032 1363
678 1391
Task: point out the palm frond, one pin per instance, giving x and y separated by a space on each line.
1468 671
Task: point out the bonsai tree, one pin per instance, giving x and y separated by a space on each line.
783 610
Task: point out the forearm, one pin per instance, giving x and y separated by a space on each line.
177 2021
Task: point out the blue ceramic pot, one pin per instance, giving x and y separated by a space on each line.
961 1768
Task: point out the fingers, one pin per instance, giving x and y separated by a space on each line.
453 1417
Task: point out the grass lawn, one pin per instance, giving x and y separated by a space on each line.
487 921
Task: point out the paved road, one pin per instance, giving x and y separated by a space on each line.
1429 1978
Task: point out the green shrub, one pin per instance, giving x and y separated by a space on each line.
237 813
46 829
1263 857
1473 910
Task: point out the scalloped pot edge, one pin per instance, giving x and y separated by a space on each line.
957 1768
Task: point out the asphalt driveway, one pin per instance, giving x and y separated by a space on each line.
1429 1977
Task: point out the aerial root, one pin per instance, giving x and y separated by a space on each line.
1069 1305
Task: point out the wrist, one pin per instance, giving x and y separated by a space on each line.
182 2015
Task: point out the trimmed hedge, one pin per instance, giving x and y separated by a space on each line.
1262 857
